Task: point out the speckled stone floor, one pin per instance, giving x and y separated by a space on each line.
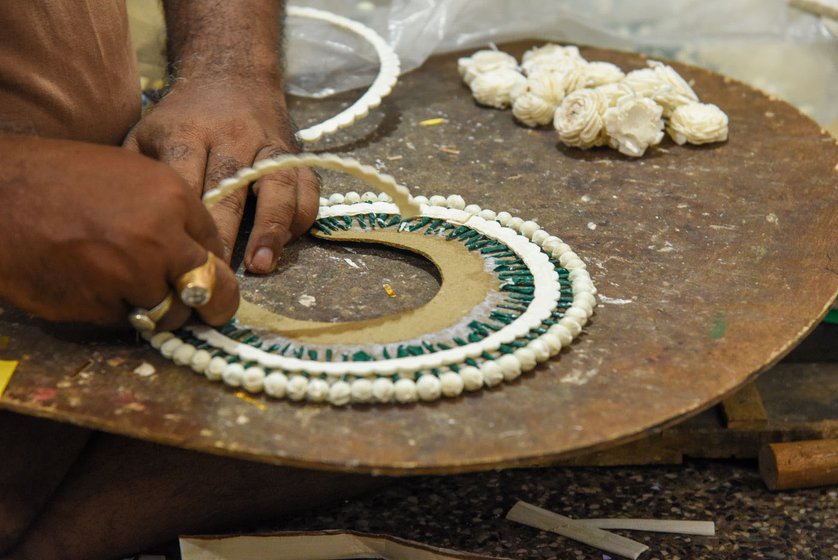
466 512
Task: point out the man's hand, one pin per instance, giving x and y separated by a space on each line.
89 232
226 110
206 132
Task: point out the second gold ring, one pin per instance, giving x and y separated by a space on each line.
195 286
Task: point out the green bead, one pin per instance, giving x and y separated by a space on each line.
361 356
323 229
457 232
422 223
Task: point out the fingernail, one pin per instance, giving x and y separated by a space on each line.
263 260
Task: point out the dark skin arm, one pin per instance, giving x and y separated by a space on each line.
226 109
91 231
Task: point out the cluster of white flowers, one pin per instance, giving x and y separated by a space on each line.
593 103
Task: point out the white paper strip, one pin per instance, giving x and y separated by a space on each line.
704 528
539 518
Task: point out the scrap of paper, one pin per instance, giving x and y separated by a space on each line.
432 122
7 369
534 516
590 531
321 545
702 528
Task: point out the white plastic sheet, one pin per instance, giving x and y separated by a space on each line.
779 49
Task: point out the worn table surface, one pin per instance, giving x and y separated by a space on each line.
711 262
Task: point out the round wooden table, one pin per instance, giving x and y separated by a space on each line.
711 262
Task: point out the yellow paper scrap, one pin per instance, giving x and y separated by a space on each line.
7 369
432 122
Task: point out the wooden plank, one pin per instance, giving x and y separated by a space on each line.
799 404
744 409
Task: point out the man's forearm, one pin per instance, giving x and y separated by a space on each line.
224 39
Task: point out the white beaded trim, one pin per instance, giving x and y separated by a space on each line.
546 296
381 87
282 377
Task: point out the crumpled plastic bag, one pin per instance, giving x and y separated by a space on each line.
779 49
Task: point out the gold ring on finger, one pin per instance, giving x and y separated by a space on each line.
146 319
195 286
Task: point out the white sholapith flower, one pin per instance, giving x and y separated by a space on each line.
612 93
549 53
698 123
644 81
498 88
633 125
572 71
673 91
533 110
596 74
578 120
538 101
484 61
547 85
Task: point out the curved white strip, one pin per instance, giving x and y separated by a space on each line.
385 183
381 87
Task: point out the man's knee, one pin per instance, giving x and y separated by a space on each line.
36 456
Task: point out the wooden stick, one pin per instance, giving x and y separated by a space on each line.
799 464
704 528
534 516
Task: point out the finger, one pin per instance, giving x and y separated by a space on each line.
183 149
131 142
177 315
225 293
225 298
185 254
153 293
276 206
227 214
283 212
287 204
308 202
188 159
197 221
